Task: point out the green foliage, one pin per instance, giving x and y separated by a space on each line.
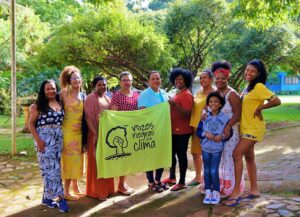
4 100
29 83
54 12
240 44
109 41
31 33
4 93
265 13
192 27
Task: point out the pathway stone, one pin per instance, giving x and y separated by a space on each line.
275 206
297 199
285 213
7 170
273 215
293 207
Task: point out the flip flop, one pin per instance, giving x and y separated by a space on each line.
236 202
250 196
194 183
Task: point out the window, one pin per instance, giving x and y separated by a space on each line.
291 80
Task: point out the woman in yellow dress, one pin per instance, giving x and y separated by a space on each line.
206 80
252 127
72 157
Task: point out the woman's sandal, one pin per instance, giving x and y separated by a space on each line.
156 188
249 196
71 197
79 194
178 187
102 199
126 192
163 186
233 202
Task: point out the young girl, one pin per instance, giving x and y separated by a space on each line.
210 132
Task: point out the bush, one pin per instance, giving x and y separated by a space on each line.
4 101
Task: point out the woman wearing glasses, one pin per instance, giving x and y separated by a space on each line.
72 157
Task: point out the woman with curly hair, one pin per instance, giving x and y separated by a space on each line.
45 126
72 157
181 108
232 109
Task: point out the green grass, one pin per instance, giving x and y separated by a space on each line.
24 143
5 121
284 112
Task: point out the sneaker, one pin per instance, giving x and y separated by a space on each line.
215 197
63 206
207 198
49 202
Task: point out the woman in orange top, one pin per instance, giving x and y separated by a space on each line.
94 104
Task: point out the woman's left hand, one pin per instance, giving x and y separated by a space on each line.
258 113
171 102
227 131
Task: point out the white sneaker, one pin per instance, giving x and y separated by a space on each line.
215 197
207 198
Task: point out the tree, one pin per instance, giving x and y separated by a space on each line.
31 33
240 44
109 41
265 13
53 12
192 27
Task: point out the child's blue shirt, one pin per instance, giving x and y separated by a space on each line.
214 125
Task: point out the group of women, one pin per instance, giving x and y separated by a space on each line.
246 124
56 125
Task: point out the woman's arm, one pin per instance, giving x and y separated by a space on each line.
236 105
273 102
114 107
31 125
183 111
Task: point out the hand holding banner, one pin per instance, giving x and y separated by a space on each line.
134 141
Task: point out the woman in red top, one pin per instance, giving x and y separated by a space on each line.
125 100
181 108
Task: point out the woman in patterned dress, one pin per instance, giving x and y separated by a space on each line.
232 109
72 156
45 126
94 104
252 126
125 100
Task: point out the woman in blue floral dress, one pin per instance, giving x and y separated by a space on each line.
45 126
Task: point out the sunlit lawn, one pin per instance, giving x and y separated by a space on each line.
284 112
